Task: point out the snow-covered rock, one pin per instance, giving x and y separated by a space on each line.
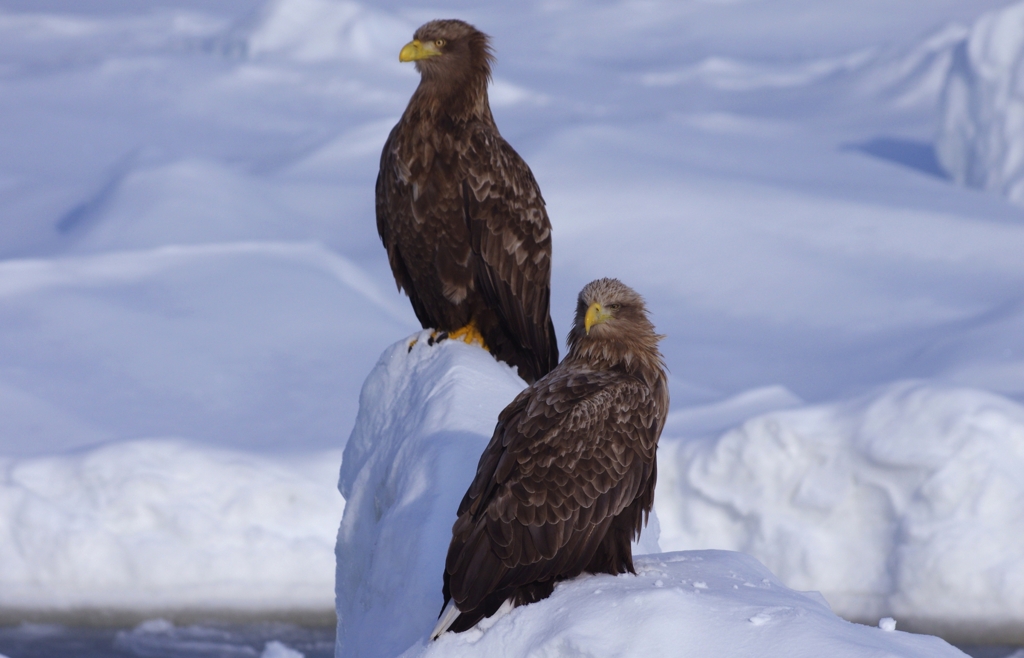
165 525
425 416
981 138
906 502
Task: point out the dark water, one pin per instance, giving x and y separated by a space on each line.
161 639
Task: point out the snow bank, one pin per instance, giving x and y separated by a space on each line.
917 77
734 75
324 30
161 524
243 345
694 603
981 138
903 503
425 415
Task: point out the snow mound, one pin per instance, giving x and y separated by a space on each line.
425 415
325 30
903 503
981 136
917 77
240 344
694 603
190 201
728 74
161 524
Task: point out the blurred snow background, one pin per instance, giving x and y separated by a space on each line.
980 140
192 280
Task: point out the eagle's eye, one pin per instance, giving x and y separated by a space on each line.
614 307
440 43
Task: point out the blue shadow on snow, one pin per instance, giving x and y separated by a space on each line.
906 152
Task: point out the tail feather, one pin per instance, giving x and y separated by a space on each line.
447 618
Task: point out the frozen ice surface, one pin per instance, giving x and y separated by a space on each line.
275 649
159 638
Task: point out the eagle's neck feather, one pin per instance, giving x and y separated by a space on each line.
636 354
440 102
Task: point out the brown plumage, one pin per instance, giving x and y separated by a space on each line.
459 211
567 480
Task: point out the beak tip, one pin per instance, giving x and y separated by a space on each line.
412 51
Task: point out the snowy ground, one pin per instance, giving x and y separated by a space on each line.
190 261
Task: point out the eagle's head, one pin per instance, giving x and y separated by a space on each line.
449 50
611 328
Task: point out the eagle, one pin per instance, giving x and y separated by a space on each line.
459 212
567 480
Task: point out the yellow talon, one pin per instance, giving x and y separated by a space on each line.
469 335
430 341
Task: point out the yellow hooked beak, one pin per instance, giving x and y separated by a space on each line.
595 315
416 49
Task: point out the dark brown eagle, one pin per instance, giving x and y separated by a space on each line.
459 211
568 477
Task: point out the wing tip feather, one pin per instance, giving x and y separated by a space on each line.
448 616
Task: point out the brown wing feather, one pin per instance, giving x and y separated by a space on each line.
567 456
394 210
421 221
511 236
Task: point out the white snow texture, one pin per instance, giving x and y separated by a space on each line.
903 502
155 525
981 135
425 416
